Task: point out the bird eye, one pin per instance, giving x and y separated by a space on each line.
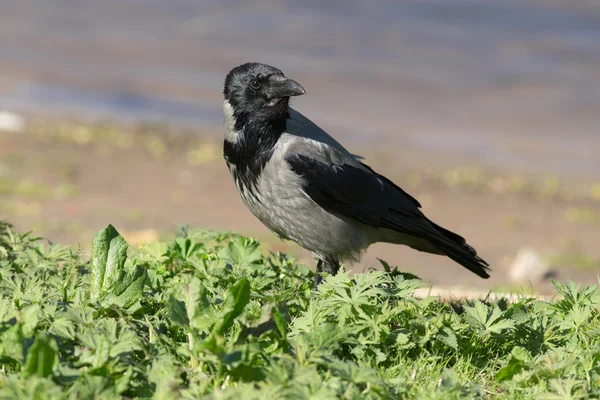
254 84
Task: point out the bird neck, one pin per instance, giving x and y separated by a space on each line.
253 147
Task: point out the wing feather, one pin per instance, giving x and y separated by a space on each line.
356 191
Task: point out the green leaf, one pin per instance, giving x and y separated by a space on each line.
516 364
165 375
447 336
237 299
407 276
189 306
486 319
279 321
41 356
512 368
477 315
127 291
521 353
155 253
401 338
204 332
198 309
241 251
109 252
185 249
177 311
124 381
30 319
11 343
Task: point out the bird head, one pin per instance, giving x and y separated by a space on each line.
259 90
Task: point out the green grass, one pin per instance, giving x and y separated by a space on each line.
208 315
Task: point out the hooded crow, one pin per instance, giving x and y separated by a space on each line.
306 187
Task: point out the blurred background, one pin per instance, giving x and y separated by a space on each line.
487 112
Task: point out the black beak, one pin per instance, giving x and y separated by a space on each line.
280 87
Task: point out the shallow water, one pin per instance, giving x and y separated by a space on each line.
512 82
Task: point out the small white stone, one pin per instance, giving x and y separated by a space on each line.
11 122
528 266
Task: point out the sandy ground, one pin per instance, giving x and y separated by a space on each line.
67 183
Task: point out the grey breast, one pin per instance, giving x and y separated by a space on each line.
287 210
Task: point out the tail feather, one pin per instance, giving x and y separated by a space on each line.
457 249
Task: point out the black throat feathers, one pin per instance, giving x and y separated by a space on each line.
254 147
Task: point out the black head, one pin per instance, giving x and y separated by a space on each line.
260 91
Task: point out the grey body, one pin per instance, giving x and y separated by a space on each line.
281 203
306 187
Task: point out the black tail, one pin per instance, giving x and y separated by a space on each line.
456 247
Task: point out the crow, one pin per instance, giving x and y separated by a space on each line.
306 187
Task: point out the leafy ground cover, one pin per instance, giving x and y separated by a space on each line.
208 315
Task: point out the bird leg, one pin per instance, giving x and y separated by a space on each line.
318 277
331 266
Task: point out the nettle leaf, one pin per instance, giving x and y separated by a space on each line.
11 342
197 306
42 356
237 299
30 318
447 336
109 252
512 368
177 311
165 374
7 309
190 306
123 382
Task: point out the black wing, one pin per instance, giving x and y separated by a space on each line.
354 192
374 200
